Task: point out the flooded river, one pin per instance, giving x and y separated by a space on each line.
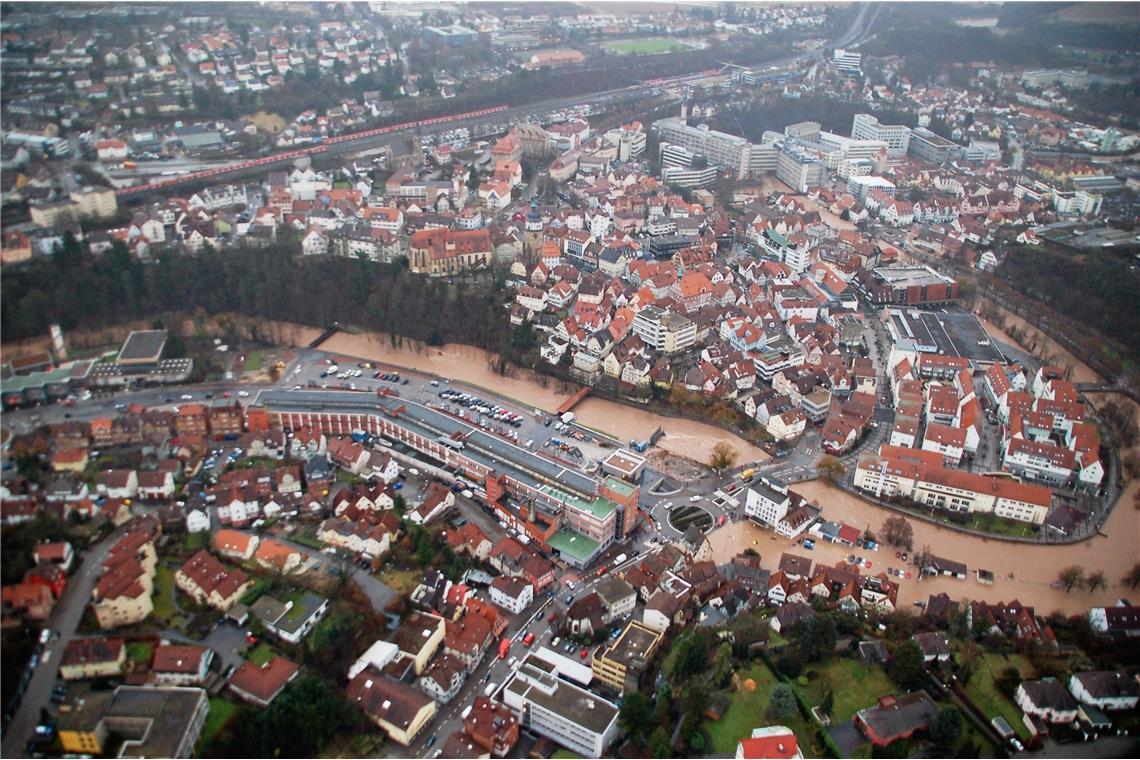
1021 571
687 438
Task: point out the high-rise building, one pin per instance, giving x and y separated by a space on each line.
897 137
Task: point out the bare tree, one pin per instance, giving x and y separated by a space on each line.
723 456
897 531
1095 580
1073 575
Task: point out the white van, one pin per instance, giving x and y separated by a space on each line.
490 689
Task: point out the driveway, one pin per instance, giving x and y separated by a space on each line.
846 737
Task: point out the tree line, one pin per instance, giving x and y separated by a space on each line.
79 290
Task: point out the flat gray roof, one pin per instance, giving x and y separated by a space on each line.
576 705
947 332
142 346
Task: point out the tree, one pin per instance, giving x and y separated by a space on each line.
782 703
946 727
1096 579
724 666
636 716
659 745
906 666
472 178
897 531
723 456
1009 680
1073 575
1132 577
831 469
816 638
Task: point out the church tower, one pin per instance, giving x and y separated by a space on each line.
532 236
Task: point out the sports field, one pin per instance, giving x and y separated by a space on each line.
646 46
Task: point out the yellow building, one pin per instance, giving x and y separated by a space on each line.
621 664
97 202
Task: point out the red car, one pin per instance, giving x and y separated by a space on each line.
528 639
584 653
250 638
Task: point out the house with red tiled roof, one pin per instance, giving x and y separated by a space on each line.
260 684
210 582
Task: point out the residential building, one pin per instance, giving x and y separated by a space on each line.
1105 690
896 136
512 594
261 684
893 718
92 657
769 742
290 620
1047 699
492 726
210 582
180 664
623 664
444 678
398 709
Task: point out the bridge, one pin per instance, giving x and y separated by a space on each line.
330 331
572 402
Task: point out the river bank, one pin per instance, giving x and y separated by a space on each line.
687 438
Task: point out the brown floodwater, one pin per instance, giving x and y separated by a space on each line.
1021 571
687 438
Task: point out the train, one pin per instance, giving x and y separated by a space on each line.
322 147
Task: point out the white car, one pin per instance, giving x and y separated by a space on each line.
243 394
187 397
693 499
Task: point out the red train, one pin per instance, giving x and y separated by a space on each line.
322 147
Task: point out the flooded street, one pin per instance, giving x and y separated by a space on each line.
467 364
1033 567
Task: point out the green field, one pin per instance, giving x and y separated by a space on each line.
254 360
163 599
647 46
853 686
989 698
747 711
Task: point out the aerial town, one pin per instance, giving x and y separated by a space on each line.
570 379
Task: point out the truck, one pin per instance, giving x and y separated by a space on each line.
504 647
568 417
490 689
619 559
639 446
359 436
747 474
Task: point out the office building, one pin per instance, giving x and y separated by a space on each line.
927 146
847 61
861 186
726 151
553 707
897 137
143 721
799 168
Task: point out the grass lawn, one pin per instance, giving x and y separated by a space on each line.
254 360
221 710
260 654
196 541
989 698
564 754
307 535
400 581
747 711
647 46
140 651
1002 527
163 594
853 684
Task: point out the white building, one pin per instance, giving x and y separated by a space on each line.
767 501
551 706
512 594
896 136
